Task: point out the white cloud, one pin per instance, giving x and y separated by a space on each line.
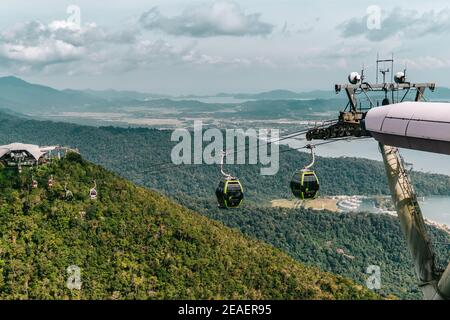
61 47
399 22
195 57
220 18
36 45
427 63
49 51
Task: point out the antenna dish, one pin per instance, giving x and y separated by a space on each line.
354 78
400 77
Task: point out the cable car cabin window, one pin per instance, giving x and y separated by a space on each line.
310 182
234 188
93 194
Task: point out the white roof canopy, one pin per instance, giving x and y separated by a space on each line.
33 150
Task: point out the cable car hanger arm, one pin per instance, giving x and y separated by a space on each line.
226 175
311 147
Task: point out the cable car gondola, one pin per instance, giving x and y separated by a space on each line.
304 183
34 183
229 192
93 192
69 194
50 182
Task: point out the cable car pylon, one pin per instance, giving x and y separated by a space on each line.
413 227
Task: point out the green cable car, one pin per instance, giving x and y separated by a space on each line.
304 183
229 193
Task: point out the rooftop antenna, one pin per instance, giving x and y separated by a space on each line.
362 73
406 68
392 67
376 71
385 70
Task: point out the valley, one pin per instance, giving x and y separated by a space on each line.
372 239
323 234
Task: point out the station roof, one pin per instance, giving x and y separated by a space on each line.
32 149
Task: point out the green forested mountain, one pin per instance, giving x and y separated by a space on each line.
303 234
317 238
132 243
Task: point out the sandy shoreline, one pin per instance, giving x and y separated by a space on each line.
334 204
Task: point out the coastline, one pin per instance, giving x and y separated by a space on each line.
344 203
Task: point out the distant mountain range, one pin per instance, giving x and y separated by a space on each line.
24 97
21 96
117 95
281 94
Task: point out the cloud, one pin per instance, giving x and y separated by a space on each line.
47 52
36 45
347 50
427 63
197 58
399 22
291 29
220 18
62 47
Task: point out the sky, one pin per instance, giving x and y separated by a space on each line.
211 46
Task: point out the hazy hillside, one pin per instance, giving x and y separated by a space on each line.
281 95
131 243
43 101
439 93
21 96
117 95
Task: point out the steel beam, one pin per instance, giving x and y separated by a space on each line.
444 284
412 223
384 86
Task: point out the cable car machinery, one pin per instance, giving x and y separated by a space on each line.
433 283
350 121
